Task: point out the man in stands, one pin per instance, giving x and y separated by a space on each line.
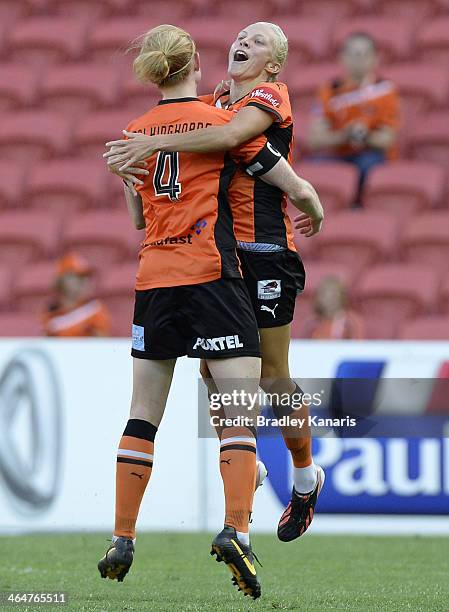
356 117
74 312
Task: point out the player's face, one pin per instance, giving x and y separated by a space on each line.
250 52
359 57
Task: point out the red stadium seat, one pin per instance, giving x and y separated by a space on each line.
392 37
433 41
137 98
328 10
20 325
415 9
43 40
213 38
336 182
308 39
426 240
27 237
18 86
357 238
389 294
78 88
444 296
117 291
305 81
12 190
404 187
425 328
33 288
429 139
103 238
98 128
110 39
5 287
86 9
68 185
178 10
31 135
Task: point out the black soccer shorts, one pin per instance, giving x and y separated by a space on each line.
274 280
208 320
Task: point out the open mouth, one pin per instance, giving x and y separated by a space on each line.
240 56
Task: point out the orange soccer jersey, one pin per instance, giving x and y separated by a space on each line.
259 209
375 104
189 233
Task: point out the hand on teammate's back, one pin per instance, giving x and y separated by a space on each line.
131 175
130 150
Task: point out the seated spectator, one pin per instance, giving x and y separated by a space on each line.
357 116
333 320
74 312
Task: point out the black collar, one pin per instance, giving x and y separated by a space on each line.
176 100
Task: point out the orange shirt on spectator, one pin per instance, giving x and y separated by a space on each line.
345 325
89 318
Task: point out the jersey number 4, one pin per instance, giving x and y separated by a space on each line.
165 180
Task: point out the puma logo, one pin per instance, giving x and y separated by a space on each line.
263 307
138 475
228 461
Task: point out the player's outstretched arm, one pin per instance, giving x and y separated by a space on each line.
248 123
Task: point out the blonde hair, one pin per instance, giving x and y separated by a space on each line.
280 46
165 55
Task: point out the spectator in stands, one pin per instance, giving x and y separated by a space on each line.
333 320
357 116
74 312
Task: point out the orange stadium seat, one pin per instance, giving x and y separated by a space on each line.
389 294
425 328
94 130
44 40
68 185
305 81
18 86
426 239
392 37
308 39
404 187
12 190
30 135
357 238
19 325
429 138
336 182
27 237
117 291
77 88
433 41
103 238
5 287
33 287
316 271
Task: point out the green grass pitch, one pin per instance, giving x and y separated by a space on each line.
174 572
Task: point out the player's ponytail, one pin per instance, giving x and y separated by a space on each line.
165 56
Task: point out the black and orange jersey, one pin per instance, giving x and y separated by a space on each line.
189 231
259 209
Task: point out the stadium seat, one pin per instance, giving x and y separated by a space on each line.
336 182
117 291
136 98
389 294
392 37
213 38
94 130
78 88
110 39
316 271
5 287
86 9
444 296
417 10
305 81
404 187
27 237
18 86
178 10
426 240
44 40
357 239
308 39
429 138
31 135
33 287
11 190
20 325
433 41
328 10
425 328
104 238
68 185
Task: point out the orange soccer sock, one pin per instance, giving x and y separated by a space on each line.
134 465
238 471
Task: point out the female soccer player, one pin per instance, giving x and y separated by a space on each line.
272 269
190 297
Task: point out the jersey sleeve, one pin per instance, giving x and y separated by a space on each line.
389 110
207 99
271 98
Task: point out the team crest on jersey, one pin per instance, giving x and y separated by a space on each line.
268 289
138 338
267 95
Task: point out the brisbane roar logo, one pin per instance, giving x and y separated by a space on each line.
268 95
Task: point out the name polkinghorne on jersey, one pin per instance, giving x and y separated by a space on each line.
174 128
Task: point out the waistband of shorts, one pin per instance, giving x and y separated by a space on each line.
263 247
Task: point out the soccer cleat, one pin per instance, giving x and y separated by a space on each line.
262 473
298 515
118 559
240 560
